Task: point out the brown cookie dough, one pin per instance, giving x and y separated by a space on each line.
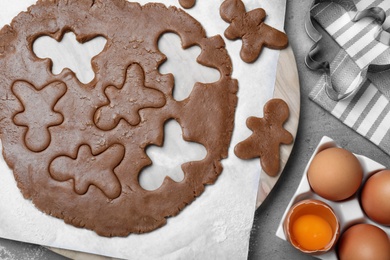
250 27
268 134
78 150
187 3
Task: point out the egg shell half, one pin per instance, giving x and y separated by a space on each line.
317 208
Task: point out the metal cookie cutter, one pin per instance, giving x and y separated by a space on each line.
377 13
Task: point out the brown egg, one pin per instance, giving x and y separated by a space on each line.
364 242
335 174
375 197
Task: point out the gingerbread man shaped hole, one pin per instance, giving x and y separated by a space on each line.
70 53
170 157
182 63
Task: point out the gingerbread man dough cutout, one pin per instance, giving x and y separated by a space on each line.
250 27
133 96
90 169
268 134
38 112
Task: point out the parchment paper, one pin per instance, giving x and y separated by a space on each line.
218 223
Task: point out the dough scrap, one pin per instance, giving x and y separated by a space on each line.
187 3
132 32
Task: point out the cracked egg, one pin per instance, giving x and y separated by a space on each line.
312 227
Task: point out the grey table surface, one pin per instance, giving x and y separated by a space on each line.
314 123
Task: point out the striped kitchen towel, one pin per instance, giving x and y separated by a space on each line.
355 87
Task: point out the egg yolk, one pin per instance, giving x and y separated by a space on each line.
311 232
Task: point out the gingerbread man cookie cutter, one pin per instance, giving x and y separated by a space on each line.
312 62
